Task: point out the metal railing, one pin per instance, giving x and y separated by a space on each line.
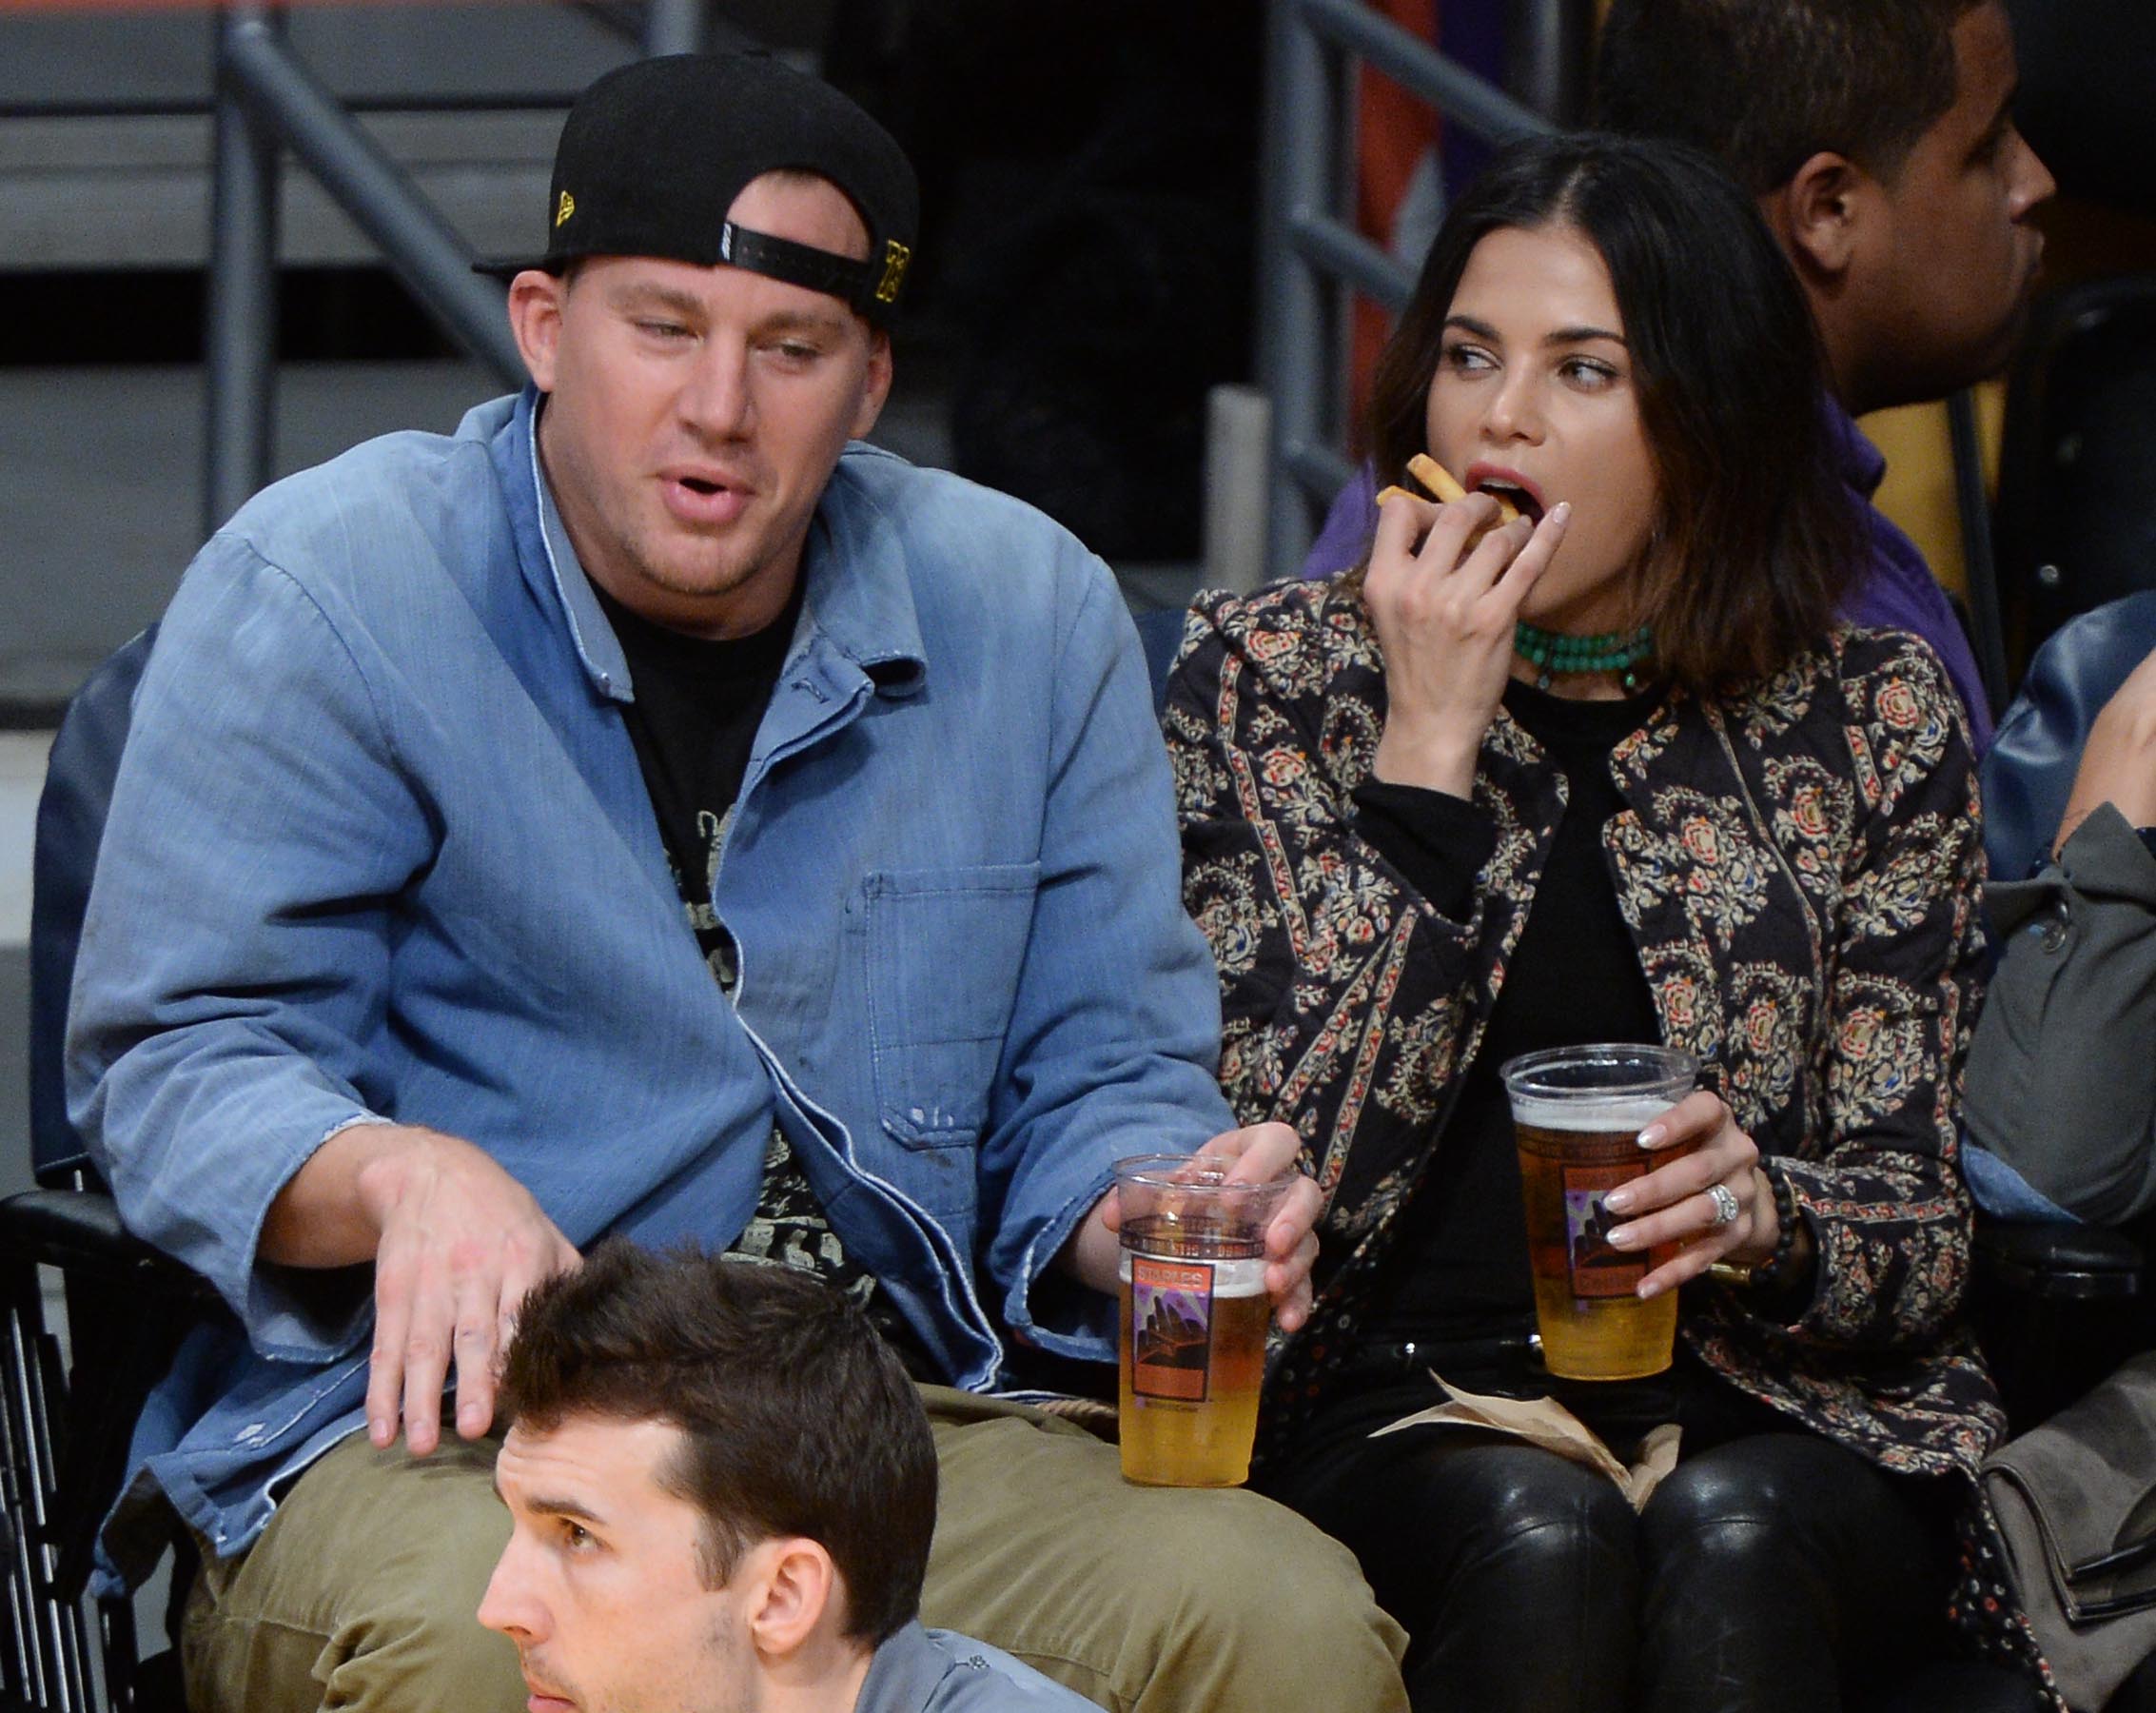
1310 256
266 101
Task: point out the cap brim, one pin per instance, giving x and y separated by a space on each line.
508 270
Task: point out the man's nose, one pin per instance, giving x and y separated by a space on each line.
717 399
509 1604
2033 182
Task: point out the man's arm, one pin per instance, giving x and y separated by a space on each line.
2118 763
2062 1075
1113 1030
235 967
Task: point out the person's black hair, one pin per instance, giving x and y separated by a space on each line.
797 1418
1765 85
1755 534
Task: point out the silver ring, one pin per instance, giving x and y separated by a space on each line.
1724 1198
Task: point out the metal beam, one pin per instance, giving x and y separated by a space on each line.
1421 70
675 26
1303 109
423 248
239 337
1349 256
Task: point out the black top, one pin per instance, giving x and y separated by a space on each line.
698 704
693 723
1460 1270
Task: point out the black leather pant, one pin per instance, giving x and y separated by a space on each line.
1766 1572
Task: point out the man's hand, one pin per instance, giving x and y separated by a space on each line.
455 1243
2118 763
1260 1152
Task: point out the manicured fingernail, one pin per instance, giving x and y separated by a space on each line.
1619 1201
1623 1237
1653 1135
1649 1288
1562 511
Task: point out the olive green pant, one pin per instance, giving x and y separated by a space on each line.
361 1594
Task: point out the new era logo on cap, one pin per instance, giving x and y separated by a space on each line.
563 208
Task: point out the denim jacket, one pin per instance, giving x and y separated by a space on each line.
379 851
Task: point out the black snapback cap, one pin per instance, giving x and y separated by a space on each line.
655 153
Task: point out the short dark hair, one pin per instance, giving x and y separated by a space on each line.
1765 85
1757 537
798 1418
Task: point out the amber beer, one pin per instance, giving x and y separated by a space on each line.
1578 1121
1193 1356
1193 1313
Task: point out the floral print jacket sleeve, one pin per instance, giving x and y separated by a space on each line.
1800 868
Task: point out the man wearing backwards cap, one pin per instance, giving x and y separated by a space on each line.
386 963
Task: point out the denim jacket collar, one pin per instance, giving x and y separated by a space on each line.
858 620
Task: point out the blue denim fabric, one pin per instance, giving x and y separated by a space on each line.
2002 1190
379 851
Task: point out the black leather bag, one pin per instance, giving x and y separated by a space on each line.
2076 1502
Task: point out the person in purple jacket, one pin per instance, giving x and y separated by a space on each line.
1878 138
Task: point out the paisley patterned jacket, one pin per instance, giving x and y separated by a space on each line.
1800 867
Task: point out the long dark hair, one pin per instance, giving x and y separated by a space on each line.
1757 535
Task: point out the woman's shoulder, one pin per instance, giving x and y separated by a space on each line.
1894 680
1859 678
1299 637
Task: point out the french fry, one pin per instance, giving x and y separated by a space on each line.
1439 482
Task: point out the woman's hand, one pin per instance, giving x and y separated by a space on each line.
1445 611
1677 1203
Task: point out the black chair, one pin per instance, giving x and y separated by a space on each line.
65 1424
2077 467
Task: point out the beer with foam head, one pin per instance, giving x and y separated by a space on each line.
1192 1298
1578 1121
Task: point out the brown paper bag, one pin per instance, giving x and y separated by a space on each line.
1546 1423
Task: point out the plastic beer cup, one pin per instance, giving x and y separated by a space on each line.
1193 1312
1577 1115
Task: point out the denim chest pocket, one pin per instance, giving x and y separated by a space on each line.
945 947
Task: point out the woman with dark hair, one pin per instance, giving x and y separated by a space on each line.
1608 773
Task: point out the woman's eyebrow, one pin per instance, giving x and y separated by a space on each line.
1481 329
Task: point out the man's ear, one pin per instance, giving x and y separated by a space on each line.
535 317
792 1584
1820 214
876 386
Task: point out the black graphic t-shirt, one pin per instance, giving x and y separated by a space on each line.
693 721
698 704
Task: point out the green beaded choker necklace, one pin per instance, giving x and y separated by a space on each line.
1559 656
